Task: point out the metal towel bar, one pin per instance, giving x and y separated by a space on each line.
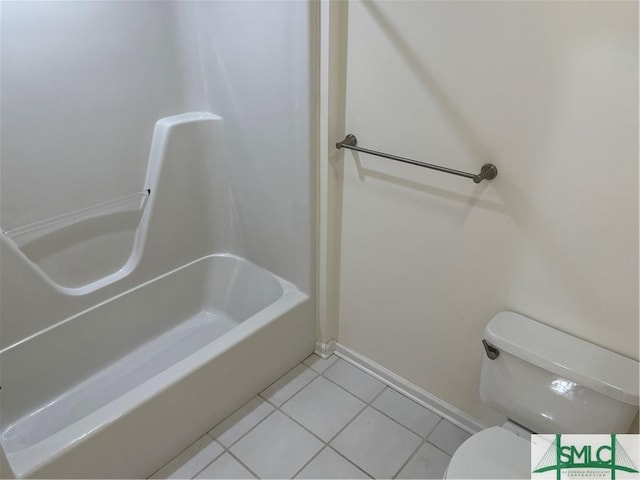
488 171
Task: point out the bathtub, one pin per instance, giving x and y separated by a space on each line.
120 388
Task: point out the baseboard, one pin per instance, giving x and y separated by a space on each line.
325 350
424 398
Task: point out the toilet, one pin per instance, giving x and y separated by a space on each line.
544 381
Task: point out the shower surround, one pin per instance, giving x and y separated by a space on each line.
156 305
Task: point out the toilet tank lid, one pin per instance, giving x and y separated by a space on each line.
570 357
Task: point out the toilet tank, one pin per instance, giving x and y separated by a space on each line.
553 382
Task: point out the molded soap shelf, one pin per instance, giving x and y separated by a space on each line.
81 251
26 234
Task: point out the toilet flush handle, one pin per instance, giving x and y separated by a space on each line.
492 352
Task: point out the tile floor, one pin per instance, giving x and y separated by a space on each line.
323 419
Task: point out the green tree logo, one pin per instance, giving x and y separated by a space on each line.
607 456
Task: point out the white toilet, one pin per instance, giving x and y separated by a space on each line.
543 381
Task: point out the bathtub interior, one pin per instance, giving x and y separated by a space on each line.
128 293
156 232
162 322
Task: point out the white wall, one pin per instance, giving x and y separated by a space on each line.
330 167
250 62
83 84
548 92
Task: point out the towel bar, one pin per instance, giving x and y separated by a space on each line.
488 171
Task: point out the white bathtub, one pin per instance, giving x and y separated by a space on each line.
118 389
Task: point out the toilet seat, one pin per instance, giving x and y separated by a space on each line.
492 453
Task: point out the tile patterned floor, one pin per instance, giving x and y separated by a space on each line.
323 419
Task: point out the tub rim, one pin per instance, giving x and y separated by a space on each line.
25 461
286 286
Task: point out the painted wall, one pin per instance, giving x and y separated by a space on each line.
548 92
331 95
83 84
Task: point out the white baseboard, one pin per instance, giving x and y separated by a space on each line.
424 398
325 350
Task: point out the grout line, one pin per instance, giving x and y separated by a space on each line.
326 444
228 449
408 459
433 428
333 437
276 409
243 464
248 431
287 373
370 404
323 360
436 426
412 431
375 398
351 393
185 449
421 406
229 416
409 390
426 439
308 462
438 448
347 459
295 394
175 456
366 404
299 424
316 374
214 459
388 385
425 442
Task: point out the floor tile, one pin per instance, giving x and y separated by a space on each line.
328 464
406 412
197 456
240 422
376 443
323 408
225 467
319 364
354 380
428 462
447 437
287 386
277 448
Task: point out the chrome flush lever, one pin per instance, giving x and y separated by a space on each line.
492 352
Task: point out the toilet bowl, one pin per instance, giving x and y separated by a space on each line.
492 453
546 381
